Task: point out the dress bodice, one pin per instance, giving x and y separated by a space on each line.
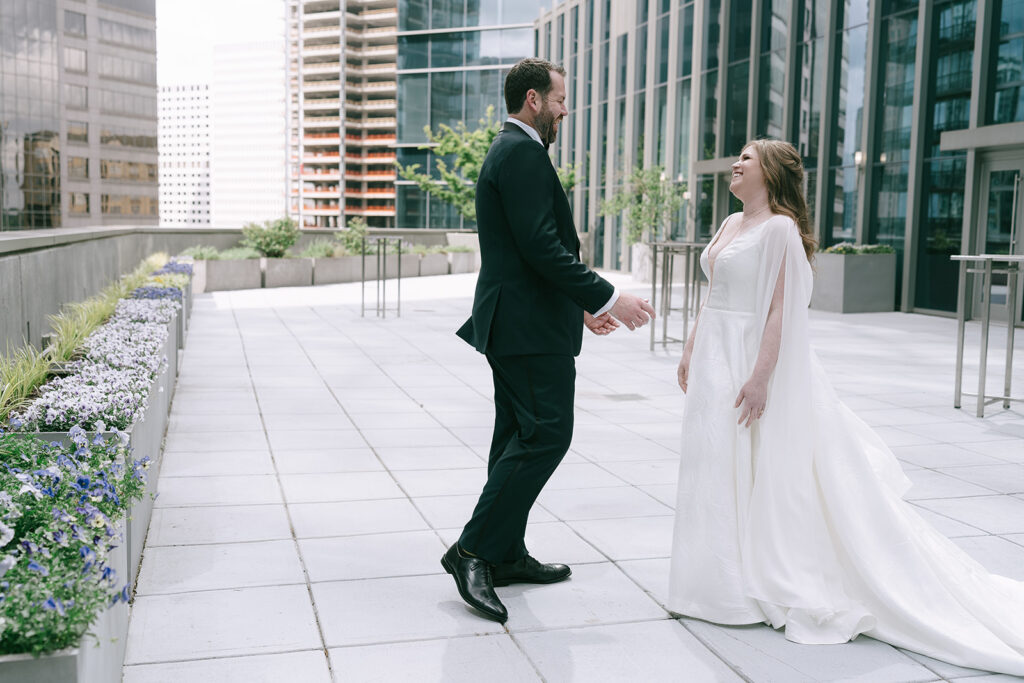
734 280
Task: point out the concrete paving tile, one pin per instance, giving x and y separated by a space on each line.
309 667
405 608
595 594
361 406
217 524
628 539
666 493
226 623
316 439
946 671
428 457
420 483
326 460
445 512
313 520
646 472
957 432
338 486
602 503
411 420
1000 478
451 660
898 417
198 382
226 463
997 555
583 475
193 404
300 423
216 441
372 556
473 436
180 569
313 405
1009 450
651 575
930 484
994 514
465 418
635 450
645 651
942 455
764 654
250 489
896 436
547 542
950 528
224 422
437 436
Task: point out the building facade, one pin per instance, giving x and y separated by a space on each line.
452 61
342 111
248 146
78 113
909 117
184 144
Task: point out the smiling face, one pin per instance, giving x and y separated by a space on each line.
552 110
747 174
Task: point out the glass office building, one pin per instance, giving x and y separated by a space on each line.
78 120
452 59
909 117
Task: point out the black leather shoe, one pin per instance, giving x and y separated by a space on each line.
473 579
529 570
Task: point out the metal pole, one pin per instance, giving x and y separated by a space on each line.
654 283
686 292
398 308
961 321
383 244
1012 271
362 279
666 296
986 314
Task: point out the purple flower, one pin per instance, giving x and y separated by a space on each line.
36 567
52 604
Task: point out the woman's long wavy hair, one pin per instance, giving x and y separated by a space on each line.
784 177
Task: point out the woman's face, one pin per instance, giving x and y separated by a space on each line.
747 176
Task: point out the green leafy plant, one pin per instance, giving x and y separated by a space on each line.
457 249
353 238
202 252
876 249
238 254
649 201
320 248
273 238
22 370
850 248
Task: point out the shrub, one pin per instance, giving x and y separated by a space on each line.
202 252
273 238
877 249
320 248
173 267
238 254
850 248
353 238
457 249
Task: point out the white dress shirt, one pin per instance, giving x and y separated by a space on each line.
532 132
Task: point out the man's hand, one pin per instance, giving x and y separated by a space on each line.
633 311
602 324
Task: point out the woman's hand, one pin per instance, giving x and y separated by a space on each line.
751 400
602 324
683 373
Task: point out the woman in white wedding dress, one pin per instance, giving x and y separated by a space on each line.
790 508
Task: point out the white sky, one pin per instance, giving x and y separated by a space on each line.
187 31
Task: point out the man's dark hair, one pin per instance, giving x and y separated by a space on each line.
528 74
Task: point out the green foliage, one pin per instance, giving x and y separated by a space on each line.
273 238
649 201
238 254
850 248
457 249
201 252
467 149
22 371
320 248
353 238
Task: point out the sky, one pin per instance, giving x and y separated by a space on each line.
188 30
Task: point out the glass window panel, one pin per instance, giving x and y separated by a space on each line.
895 109
852 13
446 50
606 14
447 14
661 50
770 99
950 93
605 69
736 108
774 25
844 205
559 39
412 207
78 131
660 125
709 118
1011 17
516 44
889 219
705 209
78 203
808 122
896 6
413 52
482 91
445 99
74 23
850 103
78 168
76 96
1009 105
74 59
639 138
685 41
739 29
620 138
574 31
682 160
942 209
640 75
642 11
520 11
623 50
712 33
412 119
413 15
1009 61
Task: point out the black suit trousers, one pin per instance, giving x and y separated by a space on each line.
533 403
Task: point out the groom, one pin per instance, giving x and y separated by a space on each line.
533 298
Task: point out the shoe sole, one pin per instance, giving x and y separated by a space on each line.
490 615
509 582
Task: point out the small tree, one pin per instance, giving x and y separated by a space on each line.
468 149
649 200
273 238
352 239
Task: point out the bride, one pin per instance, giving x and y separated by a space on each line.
790 508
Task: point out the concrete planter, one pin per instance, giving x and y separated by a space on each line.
220 276
462 262
433 264
98 657
854 283
328 271
287 272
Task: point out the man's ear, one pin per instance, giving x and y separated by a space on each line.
534 106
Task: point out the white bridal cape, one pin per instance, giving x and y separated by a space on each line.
799 521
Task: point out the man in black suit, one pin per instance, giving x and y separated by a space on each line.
533 297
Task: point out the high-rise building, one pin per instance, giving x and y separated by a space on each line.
452 61
184 143
341 76
248 144
909 116
78 113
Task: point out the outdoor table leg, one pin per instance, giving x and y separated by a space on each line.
686 292
1011 313
398 305
961 321
654 285
986 314
666 294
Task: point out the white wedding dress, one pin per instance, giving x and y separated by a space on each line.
799 521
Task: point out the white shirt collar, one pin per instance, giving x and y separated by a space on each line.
530 130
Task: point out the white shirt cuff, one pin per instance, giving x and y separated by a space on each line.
608 306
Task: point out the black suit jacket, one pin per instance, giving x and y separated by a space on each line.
532 286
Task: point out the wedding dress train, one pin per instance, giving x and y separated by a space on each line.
799 521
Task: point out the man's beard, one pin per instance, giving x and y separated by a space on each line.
545 125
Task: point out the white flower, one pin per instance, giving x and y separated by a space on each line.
6 534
